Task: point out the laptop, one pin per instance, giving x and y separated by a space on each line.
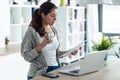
92 62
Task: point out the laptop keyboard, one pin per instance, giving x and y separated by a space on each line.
74 71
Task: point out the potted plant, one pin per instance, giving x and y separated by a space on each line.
105 44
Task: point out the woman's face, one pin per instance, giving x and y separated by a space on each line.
50 18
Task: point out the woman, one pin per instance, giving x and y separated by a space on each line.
36 48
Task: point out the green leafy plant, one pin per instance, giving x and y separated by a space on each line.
104 44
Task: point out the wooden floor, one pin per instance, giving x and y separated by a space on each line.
10 49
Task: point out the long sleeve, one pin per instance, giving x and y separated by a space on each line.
28 46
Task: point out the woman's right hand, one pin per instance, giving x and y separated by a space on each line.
42 44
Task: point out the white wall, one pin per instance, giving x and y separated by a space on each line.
4 22
85 2
116 2
92 22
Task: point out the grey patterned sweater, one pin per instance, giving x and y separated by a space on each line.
37 61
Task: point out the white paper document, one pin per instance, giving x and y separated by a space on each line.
73 49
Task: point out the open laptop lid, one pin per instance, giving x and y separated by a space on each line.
92 62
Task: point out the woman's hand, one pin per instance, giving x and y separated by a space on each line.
75 52
42 44
70 54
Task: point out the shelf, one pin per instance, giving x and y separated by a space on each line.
70 27
29 6
20 17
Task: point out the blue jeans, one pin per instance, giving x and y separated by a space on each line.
29 78
50 68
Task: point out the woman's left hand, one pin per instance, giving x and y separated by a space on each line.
75 52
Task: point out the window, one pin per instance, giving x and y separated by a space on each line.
111 19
